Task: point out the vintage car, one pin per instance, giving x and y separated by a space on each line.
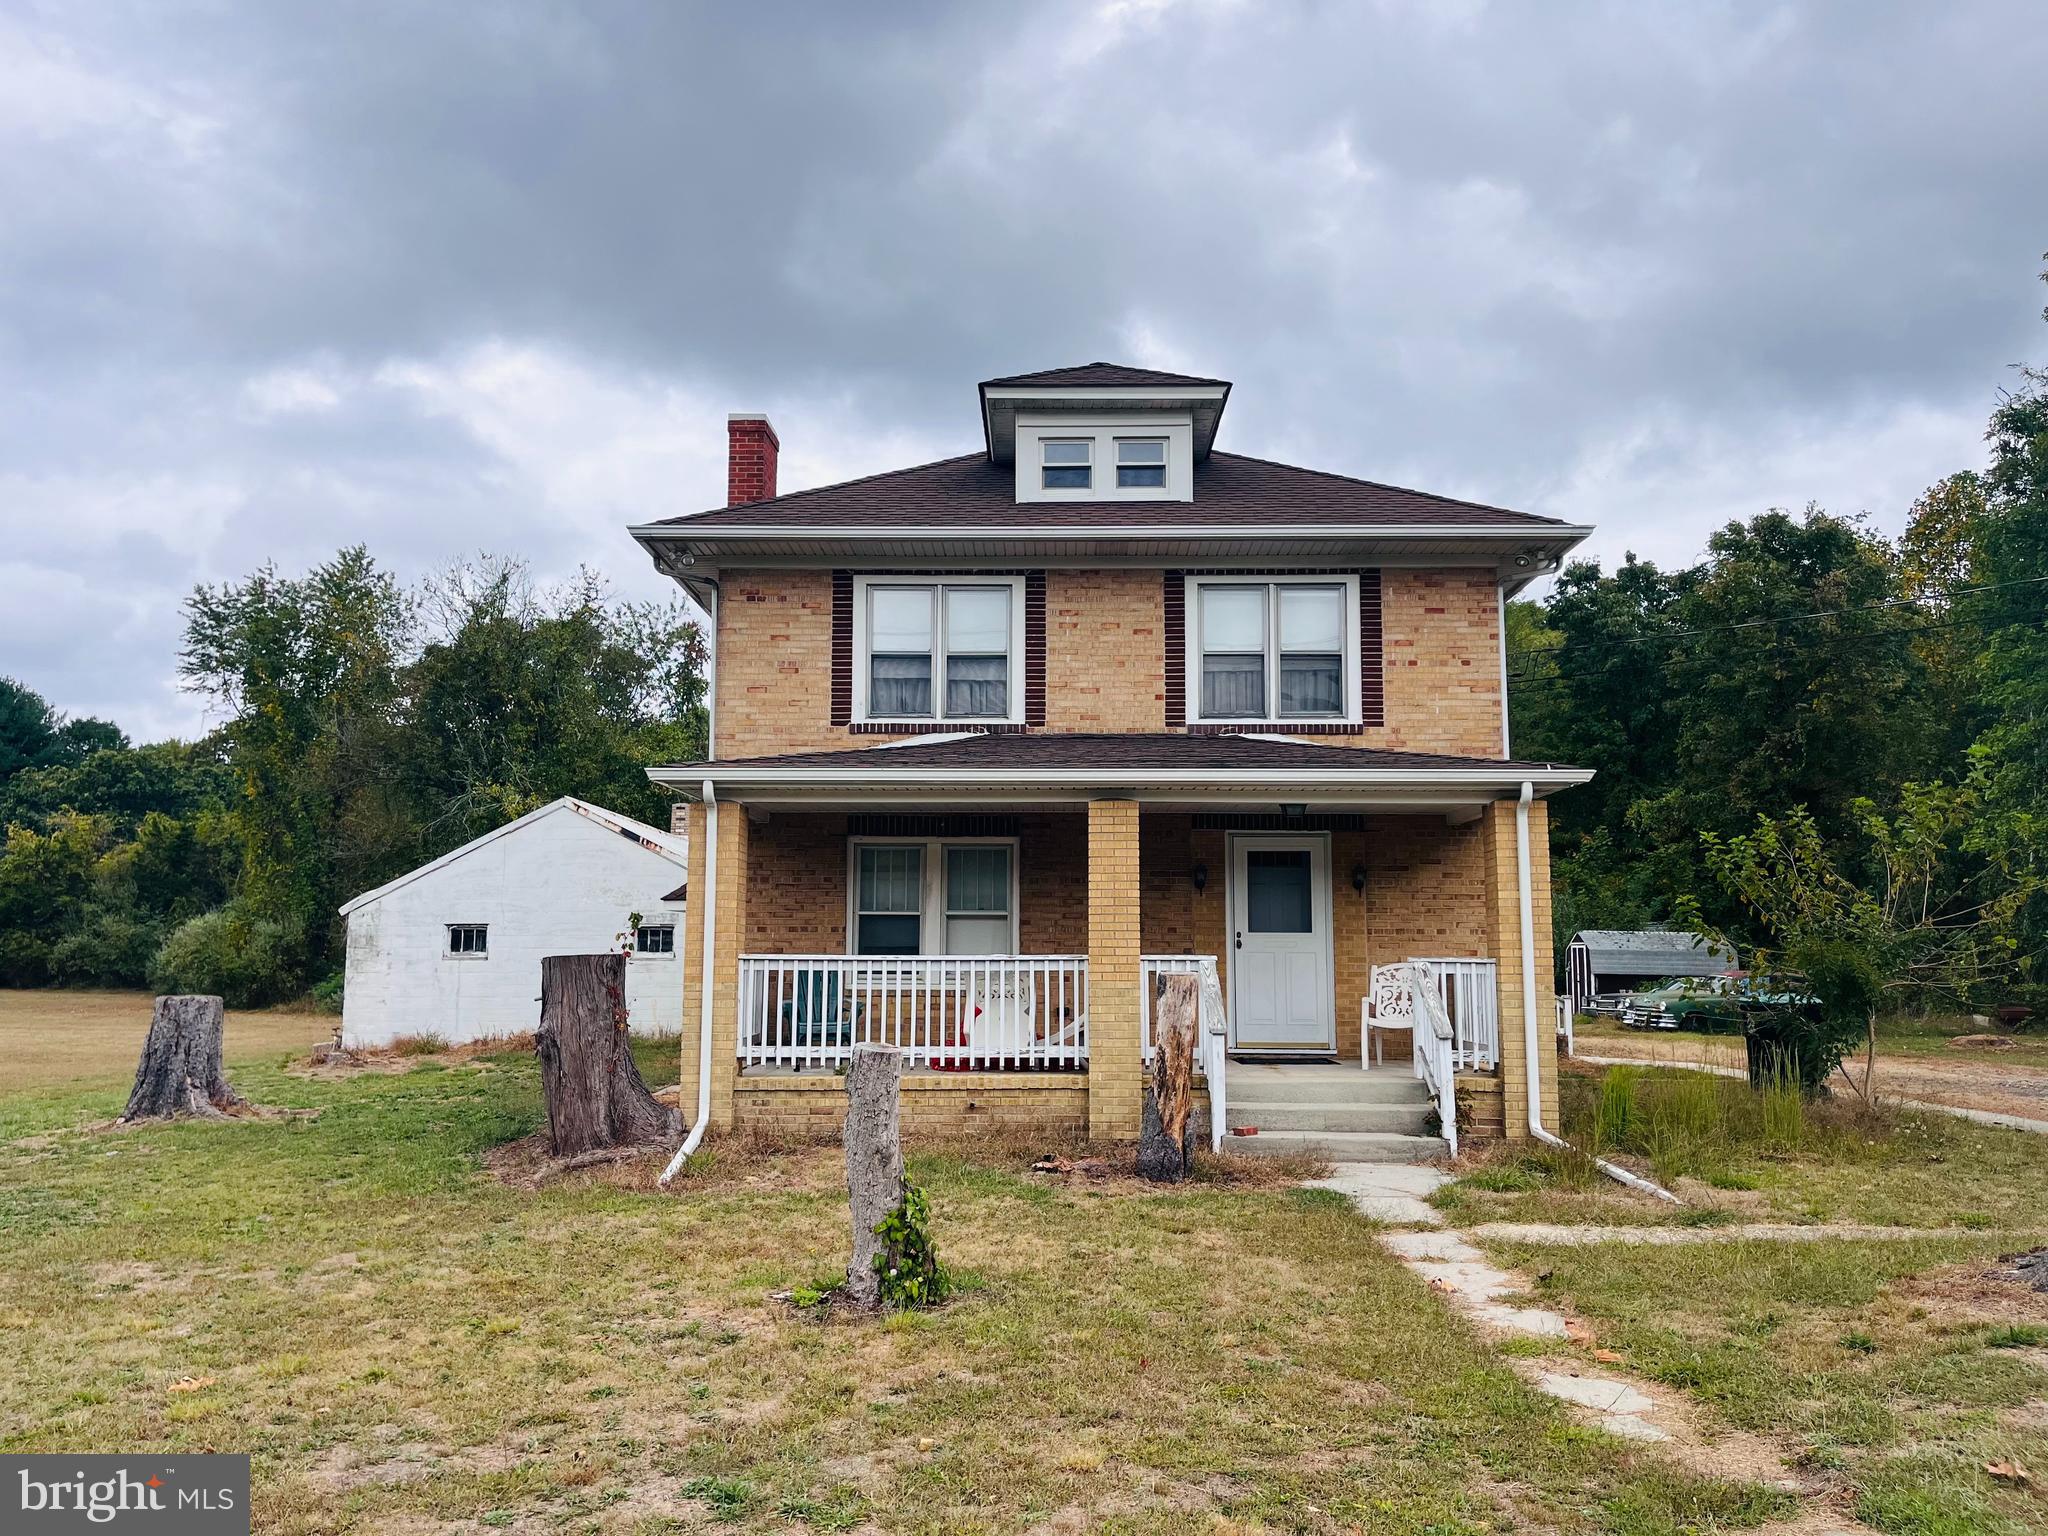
1715 1005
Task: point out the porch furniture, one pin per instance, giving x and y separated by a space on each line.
1388 1007
813 1015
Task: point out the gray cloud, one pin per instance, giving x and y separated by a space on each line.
276 278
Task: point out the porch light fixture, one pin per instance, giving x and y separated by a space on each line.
1294 813
1358 878
1200 875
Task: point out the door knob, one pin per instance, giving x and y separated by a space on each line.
1240 940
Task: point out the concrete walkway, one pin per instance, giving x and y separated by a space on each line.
1395 1193
1545 1233
1981 1116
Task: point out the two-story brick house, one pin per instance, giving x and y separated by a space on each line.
998 740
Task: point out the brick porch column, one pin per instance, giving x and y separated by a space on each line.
1115 1063
1504 936
730 901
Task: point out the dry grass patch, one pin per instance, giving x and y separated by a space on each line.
402 1342
53 1038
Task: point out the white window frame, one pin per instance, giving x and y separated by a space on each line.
1105 432
931 926
1164 466
1191 624
655 954
450 952
862 669
1089 465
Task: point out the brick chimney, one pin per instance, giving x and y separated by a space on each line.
751 449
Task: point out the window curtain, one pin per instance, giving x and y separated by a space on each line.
978 685
900 685
1311 685
1234 685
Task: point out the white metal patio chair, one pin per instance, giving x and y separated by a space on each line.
1388 1008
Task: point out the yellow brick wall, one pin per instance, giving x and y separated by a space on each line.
934 1105
1115 1067
1497 830
1105 660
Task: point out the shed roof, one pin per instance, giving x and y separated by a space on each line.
1652 951
667 845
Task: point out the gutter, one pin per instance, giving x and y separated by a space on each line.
1068 533
881 773
709 897
1531 1035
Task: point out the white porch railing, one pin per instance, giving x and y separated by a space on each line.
951 1012
1469 992
1435 1049
1212 1025
1565 1021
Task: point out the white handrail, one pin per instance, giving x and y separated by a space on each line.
1213 1047
1435 1051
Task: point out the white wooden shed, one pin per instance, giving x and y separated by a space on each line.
1602 960
453 949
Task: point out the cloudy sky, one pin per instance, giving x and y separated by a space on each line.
279 277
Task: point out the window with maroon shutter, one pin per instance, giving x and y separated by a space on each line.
930 667
1259 649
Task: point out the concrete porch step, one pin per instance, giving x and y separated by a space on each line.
1259 1084
1406 1118
1340 1146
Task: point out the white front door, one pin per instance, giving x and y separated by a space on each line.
1280 961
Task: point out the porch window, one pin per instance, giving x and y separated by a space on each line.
889 901
940 650
935 897
1274 650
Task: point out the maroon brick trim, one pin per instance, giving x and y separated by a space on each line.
1034 648
1372 673
842 647
1372 665
935 728
1174 627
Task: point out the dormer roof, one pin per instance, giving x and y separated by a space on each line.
1089 389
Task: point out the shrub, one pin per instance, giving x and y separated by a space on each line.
24 960
327 994
108 949
249 961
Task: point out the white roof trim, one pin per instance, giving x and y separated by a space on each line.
663 844
1082 532
1499 780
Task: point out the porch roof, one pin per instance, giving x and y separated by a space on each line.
1163 762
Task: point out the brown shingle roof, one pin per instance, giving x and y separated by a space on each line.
1105 375
1230 491
1123 750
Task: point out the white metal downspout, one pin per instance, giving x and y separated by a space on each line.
1531 1033
707 886
1500 593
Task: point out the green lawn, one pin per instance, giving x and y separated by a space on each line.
406 1344
1898 1168
1895 1366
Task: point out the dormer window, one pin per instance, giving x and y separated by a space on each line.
1068 464
1140 462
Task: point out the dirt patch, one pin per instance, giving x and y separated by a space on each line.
332 1061
528 1164
1998 1291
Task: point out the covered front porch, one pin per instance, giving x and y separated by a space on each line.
1010 940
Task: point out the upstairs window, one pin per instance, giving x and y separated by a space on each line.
940 650
1140 462
1274 650
1067 463
469 938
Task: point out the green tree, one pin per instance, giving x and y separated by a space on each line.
308 669
35 735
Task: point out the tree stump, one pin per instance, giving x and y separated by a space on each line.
180 1071
594 1093
1170 1096
874 1160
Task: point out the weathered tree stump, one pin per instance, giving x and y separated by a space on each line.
594 1093
180 1071
874 1160
1170 1096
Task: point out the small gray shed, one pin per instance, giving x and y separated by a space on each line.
1605 960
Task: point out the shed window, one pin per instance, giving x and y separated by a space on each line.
468 938
655 939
